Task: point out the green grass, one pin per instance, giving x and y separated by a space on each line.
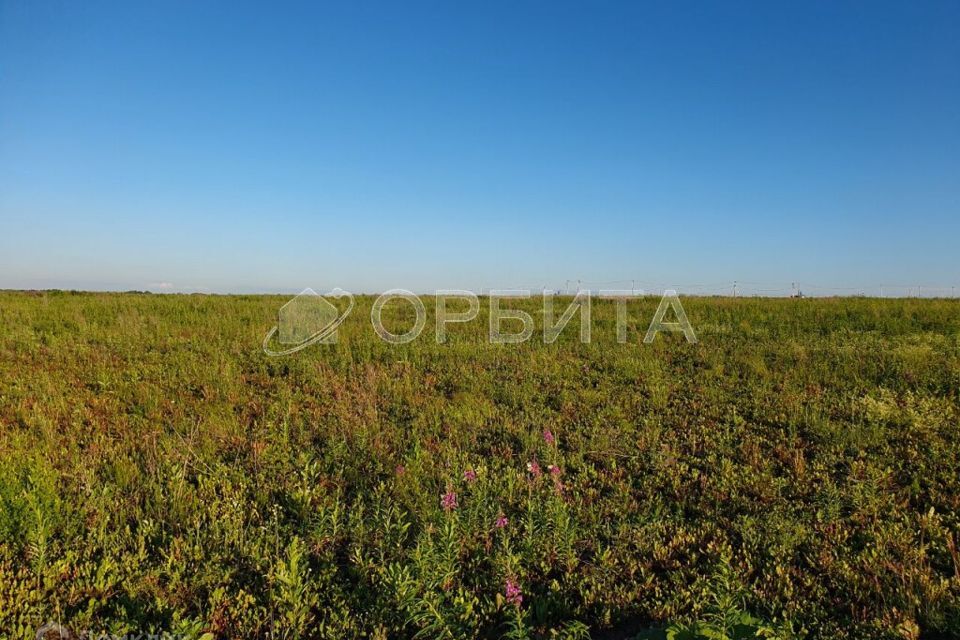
796 473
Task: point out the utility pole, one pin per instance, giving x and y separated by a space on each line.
633 287
734 288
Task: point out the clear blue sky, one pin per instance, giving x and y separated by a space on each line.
267 147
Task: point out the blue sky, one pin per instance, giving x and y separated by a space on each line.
268 147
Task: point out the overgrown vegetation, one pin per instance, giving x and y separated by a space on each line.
795 474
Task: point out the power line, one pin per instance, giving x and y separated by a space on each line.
738 288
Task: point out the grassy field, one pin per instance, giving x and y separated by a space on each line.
794 474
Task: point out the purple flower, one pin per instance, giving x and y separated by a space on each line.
501 521
448 501
534 468
554 470
469 475
513 593
548 436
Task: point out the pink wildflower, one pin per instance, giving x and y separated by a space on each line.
501 521
554 470
448 501
534 468
400 470
548 436
470 475
513 593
